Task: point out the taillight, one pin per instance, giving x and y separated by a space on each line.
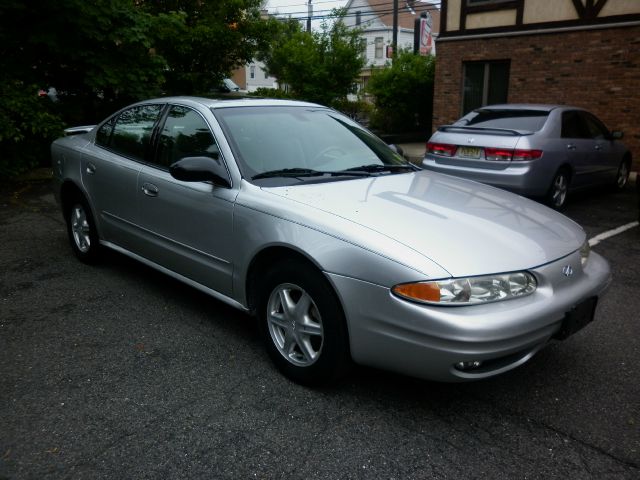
443 149
499 154
524 155
505 154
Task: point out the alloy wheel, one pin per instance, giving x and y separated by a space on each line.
560 188
623 175
295 324
80 229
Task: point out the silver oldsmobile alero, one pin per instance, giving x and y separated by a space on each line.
342 249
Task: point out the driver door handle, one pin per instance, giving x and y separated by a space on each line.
91 168
571 146
150 189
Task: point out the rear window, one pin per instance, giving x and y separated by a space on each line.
529 120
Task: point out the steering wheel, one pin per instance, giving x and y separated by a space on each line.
327 155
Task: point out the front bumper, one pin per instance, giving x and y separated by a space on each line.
428 341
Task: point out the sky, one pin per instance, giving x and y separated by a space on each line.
298 8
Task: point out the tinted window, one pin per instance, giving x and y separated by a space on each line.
185 134
573 126
595 127
132 131
103 136
529 120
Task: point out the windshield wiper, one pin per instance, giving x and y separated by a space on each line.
288 172
376 167
308 172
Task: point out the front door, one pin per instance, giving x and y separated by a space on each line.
186 227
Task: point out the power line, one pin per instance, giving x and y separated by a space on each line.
431 6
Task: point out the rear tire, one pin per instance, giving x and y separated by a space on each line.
82 232
302 324
556 197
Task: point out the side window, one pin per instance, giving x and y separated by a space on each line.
573 126
103 136
132 131
596 129
185 134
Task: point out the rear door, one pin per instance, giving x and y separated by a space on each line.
186 227
605 163
578 148
110 171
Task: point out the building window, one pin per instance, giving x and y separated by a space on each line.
252 71
378 43
484 83
473 3
358 17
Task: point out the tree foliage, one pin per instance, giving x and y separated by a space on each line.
403 94
103 54
318 66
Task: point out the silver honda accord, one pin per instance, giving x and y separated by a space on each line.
343 250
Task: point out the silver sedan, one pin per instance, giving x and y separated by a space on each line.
345 252
535 150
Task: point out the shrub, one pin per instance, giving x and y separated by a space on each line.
403 94
28 125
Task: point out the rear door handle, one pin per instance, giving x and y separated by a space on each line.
571 146
150 189
598 147
91 168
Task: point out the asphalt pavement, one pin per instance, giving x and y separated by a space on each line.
117 371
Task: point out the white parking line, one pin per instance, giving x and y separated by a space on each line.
610 233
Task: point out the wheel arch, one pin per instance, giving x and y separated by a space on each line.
267 257
69 191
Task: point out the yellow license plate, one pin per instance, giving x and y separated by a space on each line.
469 152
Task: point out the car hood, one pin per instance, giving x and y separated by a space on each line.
467 228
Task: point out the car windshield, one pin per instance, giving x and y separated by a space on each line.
527 120
291 144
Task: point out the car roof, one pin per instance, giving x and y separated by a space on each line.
216 103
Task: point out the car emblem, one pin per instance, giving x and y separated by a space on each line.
567 271
471 140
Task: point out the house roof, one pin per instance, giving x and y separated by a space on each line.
408 11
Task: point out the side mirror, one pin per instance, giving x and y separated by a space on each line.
617 135
397 149
200 169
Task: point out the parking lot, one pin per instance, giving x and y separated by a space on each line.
118 371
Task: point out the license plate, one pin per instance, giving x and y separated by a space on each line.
576 319
469 152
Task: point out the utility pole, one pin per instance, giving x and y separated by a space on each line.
310 12
394 43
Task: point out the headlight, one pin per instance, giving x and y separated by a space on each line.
469 291
585 250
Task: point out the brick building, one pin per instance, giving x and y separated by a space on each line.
578 52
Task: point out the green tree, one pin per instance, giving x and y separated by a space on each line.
318 66
403 94
103 54
215 38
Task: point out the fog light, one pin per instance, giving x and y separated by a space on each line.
464 366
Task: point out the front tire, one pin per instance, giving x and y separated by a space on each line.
622 177
82 232
302 324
